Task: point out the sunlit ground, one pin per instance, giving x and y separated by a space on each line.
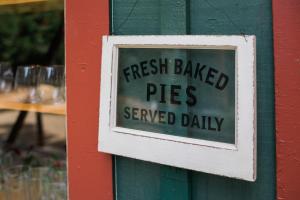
54 132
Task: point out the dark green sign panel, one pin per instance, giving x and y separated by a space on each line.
181 92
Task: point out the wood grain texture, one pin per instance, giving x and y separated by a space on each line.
168 148
287 80
248 17
8 2
42 108
208 17
10 101
90 172
174 182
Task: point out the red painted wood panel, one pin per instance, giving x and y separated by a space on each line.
287 82
90 172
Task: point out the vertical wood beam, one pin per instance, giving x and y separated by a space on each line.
175 182
89 172
286 26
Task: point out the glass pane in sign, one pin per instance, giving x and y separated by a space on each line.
181 92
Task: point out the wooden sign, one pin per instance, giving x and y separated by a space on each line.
184 101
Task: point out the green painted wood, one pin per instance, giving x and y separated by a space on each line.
174 182
135 179
250 17
139 180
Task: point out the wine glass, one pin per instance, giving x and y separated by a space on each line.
26 81
58 185
6 77
16 187
51 84
38 182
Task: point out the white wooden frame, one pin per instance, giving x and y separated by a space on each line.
233 160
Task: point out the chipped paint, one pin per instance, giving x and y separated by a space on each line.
287 80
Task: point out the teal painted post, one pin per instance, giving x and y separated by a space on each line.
139 180
135 179
243 17
174 182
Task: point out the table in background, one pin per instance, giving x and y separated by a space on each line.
10 101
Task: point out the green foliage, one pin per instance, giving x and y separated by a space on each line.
25 38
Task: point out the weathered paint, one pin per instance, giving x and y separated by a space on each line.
233 160
90 172
206 17
287 81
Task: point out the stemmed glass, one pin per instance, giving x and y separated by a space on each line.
26 83
15 183
6 77
58 185
51 84
38 182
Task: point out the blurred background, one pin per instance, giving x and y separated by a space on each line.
32 133
28 31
